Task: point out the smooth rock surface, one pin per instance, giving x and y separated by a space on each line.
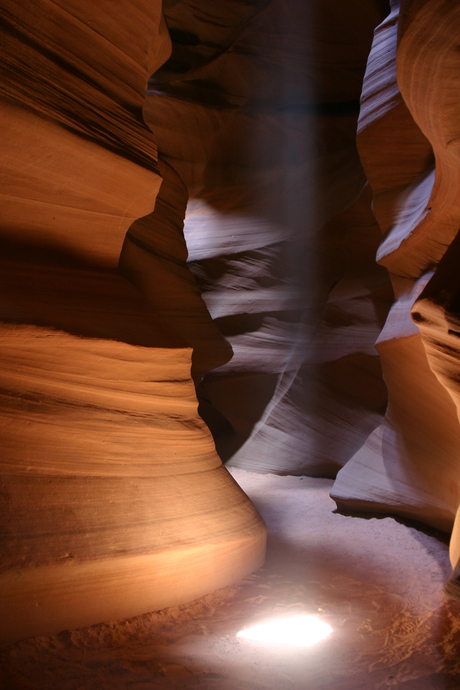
256 113
111 487
377 582
221 253
407 143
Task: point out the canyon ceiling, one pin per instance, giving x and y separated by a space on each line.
224 225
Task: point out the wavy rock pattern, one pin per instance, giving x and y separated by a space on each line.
313 416
436 313
410 465
248 236
72 93
256 113
111 488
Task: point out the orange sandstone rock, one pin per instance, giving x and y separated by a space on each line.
113 499
407 142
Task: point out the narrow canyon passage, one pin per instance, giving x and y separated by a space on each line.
376 581
229 235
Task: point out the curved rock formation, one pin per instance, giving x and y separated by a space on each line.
410 465
249 238
113 499
154 257
436 111
437 315
111 487
256 112
78 163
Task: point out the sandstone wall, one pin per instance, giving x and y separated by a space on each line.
226 252
407 138
256 113
113 499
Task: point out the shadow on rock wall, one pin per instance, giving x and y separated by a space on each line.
256 114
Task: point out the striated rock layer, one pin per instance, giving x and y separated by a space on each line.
113 499
248 239
78 163
407 138
256 113
437 310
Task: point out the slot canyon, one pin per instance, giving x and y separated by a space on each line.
230 343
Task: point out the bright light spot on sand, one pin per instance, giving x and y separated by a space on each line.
298 631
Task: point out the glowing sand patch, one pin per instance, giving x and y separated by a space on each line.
298 631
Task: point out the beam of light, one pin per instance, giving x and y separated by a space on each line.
297 631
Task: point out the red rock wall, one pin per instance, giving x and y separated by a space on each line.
256 112
111 488
407 142
240 225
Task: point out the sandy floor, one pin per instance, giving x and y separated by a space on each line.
378 583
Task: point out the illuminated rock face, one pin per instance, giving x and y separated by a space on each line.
113 499
256 113
408 144
78 163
